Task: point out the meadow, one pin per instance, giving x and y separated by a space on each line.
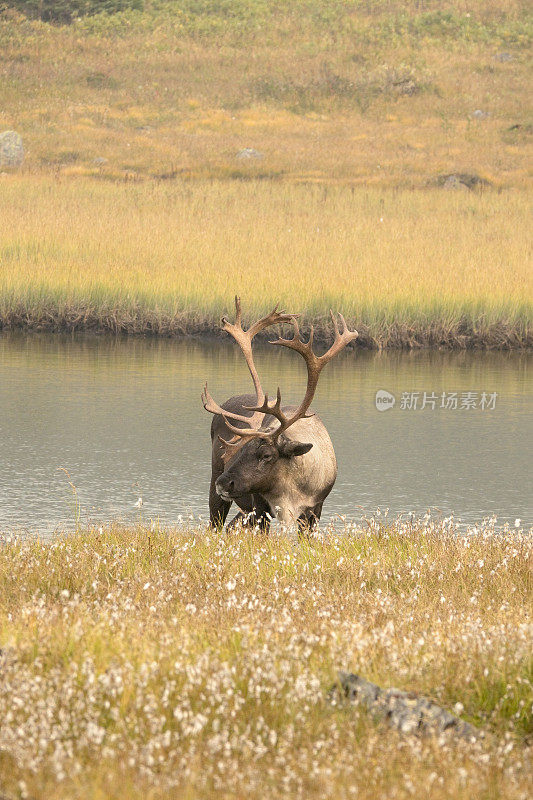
185 663
406 268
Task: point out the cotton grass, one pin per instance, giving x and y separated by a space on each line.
187 663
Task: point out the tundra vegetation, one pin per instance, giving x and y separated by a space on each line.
183 663
346 106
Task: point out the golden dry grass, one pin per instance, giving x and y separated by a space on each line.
405 267
184 664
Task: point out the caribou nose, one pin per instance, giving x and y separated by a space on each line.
224 486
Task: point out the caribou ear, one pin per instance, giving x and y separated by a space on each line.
288 448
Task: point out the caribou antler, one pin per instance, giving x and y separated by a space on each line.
244 340
315 364
213 408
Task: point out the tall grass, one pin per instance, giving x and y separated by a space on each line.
405 268
183 664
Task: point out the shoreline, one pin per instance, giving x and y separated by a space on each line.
462 334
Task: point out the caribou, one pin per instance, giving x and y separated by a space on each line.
273 461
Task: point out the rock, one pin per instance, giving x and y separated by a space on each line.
453 182
407 712
248 153
479 114
99 161
503 57
461 180
11 149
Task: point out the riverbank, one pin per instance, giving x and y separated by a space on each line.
407 269
462 334
183 663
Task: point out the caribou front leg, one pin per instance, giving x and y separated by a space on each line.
218 508
259 516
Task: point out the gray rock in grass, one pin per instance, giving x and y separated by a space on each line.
248 153
11 149
409 713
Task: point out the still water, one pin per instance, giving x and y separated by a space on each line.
124 418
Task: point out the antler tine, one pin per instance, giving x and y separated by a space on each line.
237 314
273 318
265 407
341 339
296 343
237 311
213 408
244 433
335 324
231 446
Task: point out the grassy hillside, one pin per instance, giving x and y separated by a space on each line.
381 92
183 664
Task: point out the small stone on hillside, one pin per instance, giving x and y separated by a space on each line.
479 114
461 180
248 153
11 149
453 182
99 161
504 57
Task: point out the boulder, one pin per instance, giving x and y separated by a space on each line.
461 180
408 712
248 153
480 114
11 149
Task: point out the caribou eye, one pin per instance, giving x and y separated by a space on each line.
264 455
